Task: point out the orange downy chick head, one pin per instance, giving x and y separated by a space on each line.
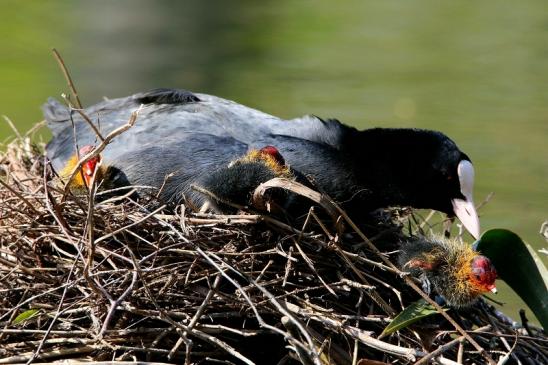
483 274
274 153
271 157
91 169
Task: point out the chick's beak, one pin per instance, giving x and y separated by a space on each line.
464 208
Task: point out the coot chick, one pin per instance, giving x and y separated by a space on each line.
362 170
92 169
452 268
237 182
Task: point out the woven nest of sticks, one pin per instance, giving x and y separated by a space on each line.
117 281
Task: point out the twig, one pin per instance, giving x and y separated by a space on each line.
51 354
193 322
331 208
310 350
229 349
525 321
115 303
54 319
96 151
297 188
12 126
440 350
66 73
17 194
362 336
85 117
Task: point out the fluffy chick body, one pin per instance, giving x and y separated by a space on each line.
456 271
237 181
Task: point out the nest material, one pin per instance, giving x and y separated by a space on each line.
117 281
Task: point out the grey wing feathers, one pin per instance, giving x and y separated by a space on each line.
312 128
55 114
174 112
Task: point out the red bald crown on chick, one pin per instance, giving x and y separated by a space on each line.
483 274
274 153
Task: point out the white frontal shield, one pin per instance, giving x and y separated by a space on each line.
464 208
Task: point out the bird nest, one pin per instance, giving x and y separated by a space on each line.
116 280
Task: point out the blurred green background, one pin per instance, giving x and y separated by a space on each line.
476 70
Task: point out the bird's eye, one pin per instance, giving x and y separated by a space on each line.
478 277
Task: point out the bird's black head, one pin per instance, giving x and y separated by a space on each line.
422 169
452 182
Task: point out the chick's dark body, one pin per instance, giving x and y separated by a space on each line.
190 135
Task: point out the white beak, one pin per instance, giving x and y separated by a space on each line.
494 290
464 208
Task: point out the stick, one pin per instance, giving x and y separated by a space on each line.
66 73
85 117
440 350
96 151
297 188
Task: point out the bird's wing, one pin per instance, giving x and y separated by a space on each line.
170 112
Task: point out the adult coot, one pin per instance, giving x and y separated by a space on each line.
180 135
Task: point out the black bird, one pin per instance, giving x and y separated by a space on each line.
363 170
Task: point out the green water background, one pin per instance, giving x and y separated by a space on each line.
476 70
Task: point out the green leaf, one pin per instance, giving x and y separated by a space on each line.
415 311
520 267
25 316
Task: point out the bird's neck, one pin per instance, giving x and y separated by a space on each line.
391 144
389 158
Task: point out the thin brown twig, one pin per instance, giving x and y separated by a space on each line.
66 73
96 151
443 348
20 196
85 117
